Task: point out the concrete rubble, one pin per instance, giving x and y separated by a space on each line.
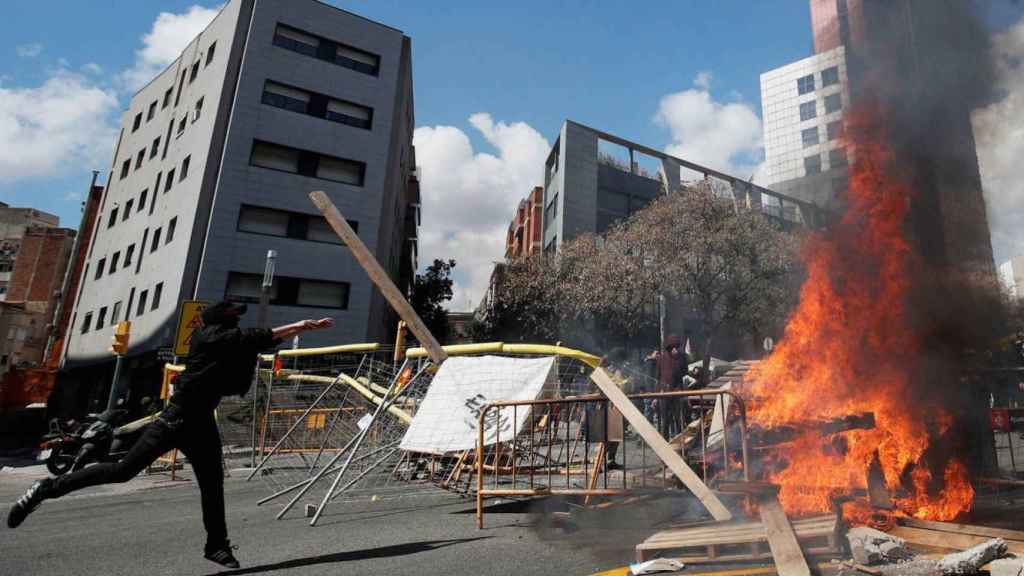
1007 567
971 560
870 546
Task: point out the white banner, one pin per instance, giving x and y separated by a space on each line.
448 418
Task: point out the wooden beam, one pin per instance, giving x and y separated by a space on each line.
662 448
378 276
1008 535
789 558
948 540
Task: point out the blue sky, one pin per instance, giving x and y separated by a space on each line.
522 67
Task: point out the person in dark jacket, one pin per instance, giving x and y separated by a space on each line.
220 363
671 362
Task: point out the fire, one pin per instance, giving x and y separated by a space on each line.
850 348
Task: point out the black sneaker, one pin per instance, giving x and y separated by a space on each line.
222 555
31 500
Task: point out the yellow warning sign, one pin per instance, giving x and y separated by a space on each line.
188 322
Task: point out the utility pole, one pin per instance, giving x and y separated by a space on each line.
119 346
261 322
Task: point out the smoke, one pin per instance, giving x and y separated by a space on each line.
927 64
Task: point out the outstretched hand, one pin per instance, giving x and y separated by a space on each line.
319 324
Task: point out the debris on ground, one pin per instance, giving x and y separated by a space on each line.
971 560
655 566
870 546
1007 567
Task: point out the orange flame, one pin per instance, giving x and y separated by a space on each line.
849 348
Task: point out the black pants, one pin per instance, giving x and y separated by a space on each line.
197 438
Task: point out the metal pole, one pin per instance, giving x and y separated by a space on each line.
261 322
114 386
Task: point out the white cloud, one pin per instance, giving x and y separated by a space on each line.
724 136
999 131
164 42
56 126
92 68
469 197
29 50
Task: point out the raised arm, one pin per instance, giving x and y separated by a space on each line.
289 330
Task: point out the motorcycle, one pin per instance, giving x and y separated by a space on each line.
60 446
102 438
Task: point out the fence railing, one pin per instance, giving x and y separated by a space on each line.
580 447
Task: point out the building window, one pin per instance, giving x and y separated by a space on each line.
100 266
101 318
833 103
115 314
285 224
156 241
286 159
195 72
198 111
156 192
288 291
139 158
157 292
808 110
805 85
113 262
834 129
318 105
209 54
126 166
170 181
135 126
143 296
181 87
152 111
128 254
181 126
170 230
127 209
352 58
86 322
184 167
812 164
836 158
142 199
113 217
809 136
155 149
167 98
830 76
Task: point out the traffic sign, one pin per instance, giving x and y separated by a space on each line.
189 320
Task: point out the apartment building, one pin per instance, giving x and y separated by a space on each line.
214 164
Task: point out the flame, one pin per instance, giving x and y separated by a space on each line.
849 348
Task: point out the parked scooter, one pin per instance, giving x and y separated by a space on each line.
101 438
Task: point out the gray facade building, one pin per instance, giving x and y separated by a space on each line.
214 164
593 179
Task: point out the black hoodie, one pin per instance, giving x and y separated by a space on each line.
220 362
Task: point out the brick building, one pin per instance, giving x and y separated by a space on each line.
525 232
13 223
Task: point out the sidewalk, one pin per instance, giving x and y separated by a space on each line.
17 476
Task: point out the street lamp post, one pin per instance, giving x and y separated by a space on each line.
261 322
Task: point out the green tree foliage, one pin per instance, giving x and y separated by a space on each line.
430 291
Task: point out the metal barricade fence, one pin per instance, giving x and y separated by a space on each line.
580 447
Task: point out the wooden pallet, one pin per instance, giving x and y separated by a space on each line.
728 541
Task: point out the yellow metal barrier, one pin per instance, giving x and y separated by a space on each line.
503 348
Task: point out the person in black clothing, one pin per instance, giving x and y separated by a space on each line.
220 363
671 362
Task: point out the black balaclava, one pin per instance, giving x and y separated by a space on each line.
223 314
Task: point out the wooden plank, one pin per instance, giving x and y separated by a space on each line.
789 558
1015 535
378 276
948 540
662 448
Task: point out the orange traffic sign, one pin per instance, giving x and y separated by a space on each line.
189 320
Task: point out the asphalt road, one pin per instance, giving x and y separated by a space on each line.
153 526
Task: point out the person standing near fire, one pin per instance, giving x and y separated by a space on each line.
671 362
220 363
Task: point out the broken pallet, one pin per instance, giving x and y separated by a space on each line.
730 541
950 536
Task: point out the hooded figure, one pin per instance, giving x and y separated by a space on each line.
220 363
